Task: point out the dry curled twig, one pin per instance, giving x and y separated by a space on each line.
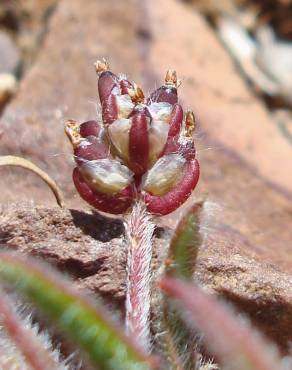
10 160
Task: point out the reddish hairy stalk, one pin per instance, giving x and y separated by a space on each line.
35 354
140 230
236 346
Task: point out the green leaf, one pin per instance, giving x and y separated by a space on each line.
179 340
184 245
231 341
79 318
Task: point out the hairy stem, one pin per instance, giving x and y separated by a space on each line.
139 232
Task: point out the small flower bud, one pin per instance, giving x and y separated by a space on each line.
162 205
168 92
106 175
164 175
111 203
115 104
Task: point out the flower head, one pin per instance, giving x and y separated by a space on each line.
143 148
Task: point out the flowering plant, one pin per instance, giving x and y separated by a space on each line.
141 156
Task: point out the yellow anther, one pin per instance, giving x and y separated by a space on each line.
101 66
72 131
171 78
136 94
190 124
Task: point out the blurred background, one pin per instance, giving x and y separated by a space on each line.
22 27
257 34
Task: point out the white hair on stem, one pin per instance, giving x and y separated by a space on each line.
139 228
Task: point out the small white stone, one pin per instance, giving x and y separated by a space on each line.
8 86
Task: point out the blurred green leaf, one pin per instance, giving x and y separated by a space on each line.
84 323
184 245
179 340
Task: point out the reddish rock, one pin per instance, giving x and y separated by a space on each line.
26 22
227 110
9 54
80 244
